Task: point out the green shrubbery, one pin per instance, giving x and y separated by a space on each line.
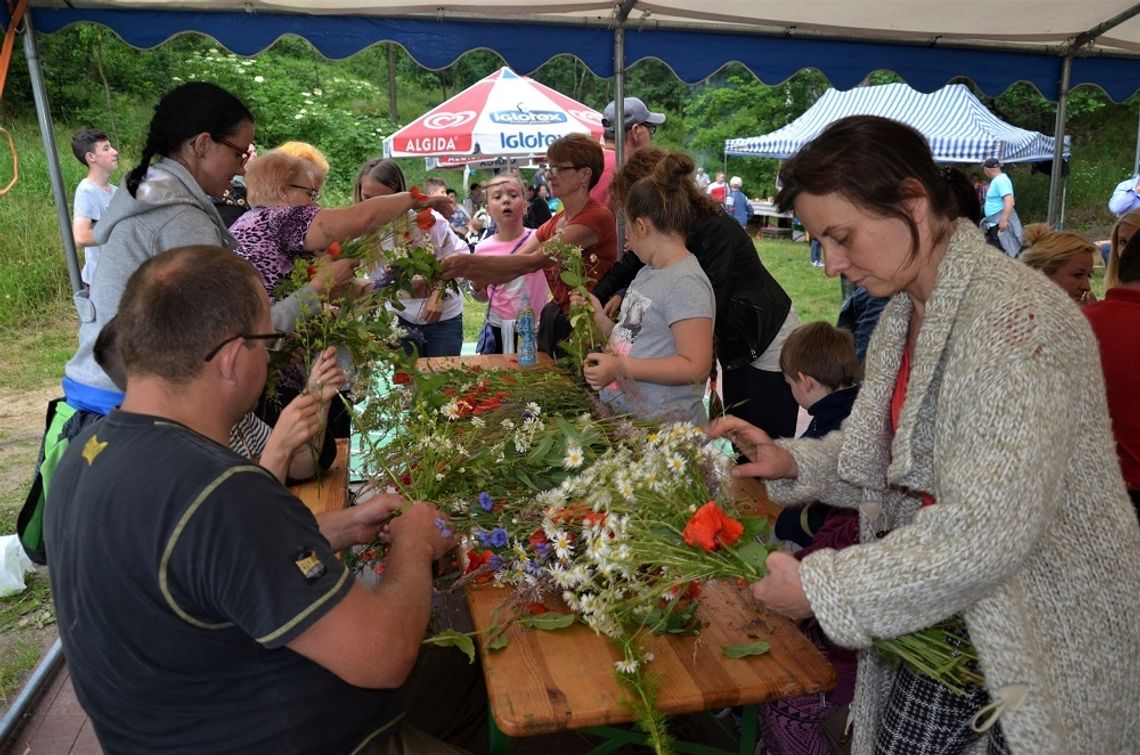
95 80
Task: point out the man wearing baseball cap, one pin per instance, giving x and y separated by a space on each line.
640 123
998 209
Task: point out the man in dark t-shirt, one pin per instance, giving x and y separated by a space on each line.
200 604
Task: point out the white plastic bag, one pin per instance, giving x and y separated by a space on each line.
16 565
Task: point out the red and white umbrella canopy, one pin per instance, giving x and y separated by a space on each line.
502 115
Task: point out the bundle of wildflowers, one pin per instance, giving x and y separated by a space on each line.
471 441
625 544
353 319
405 260
584 334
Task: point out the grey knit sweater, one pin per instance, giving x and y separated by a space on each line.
1032 539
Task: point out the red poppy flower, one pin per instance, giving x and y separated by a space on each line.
311 271
593 518
417 196
425 220
401 378
475 560
333 250
537 538
710 528
536 608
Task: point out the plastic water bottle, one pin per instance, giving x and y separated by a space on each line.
524 326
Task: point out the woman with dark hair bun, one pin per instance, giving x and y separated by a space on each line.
976 457
199 138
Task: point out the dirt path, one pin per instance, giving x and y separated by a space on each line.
21 428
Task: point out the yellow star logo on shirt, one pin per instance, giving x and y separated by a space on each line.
93 448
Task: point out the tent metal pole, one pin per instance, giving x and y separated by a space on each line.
47 134
1055 214
619 114
1136 161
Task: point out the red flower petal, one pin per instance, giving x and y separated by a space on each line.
401 378
334 250
710 528
425 220
536 608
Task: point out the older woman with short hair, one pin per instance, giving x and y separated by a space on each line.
287 222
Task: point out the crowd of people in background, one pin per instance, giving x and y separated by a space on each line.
972 452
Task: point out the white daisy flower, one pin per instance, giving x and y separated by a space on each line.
563 548
574 458
626 667
676 464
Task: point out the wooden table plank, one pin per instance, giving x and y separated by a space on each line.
330 492
484 361
544 682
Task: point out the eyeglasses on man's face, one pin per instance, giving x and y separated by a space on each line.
242 154
650 127
313 192
556 169
274 341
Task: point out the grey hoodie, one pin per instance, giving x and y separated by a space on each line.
170 210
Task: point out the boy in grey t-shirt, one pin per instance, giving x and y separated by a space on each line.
656 300
93 194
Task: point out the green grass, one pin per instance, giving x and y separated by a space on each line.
36 350
16 664
814 295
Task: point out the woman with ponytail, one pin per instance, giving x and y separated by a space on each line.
199 138
660 349
753 312
976 455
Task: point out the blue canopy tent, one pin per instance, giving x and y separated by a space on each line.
1056 46
960 129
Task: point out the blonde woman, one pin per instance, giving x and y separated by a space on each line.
1122 233
1065 258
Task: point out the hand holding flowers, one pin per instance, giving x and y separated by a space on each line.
768 460
781 589
602 368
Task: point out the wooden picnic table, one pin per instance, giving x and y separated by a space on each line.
544 682
330 492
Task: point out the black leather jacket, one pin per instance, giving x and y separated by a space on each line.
750 305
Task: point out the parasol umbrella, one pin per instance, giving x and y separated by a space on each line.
502 115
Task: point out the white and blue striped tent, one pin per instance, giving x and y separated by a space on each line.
959 128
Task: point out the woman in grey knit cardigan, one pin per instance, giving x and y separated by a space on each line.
976 456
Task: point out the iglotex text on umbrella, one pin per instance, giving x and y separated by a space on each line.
521 140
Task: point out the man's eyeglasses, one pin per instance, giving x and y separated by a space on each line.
650 127
274 341
313 192
556 169
243 154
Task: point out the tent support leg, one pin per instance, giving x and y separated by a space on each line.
1056 214
47 134
619 118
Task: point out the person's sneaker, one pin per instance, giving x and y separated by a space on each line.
817 263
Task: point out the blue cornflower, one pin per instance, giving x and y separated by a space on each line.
484 538
495 562
499 537
441 524
542 550
485 501
532 568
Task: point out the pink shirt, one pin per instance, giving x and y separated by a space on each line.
506 297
